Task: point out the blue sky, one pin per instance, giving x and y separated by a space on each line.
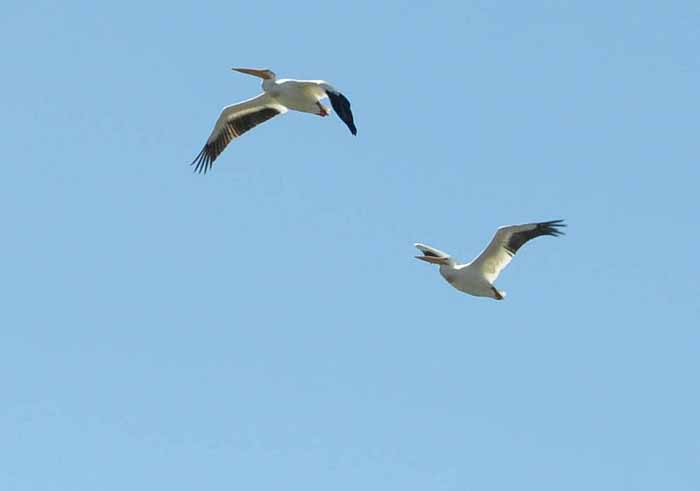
266 327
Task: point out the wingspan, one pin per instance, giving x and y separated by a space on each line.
506 243
232 123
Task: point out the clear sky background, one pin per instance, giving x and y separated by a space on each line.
266 327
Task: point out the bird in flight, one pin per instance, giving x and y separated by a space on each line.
279 95
477 277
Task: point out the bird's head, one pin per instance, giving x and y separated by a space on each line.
262 73
432 255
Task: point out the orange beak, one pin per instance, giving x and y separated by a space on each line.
432 259
264 74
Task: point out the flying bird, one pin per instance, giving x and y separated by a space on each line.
477 277
277 98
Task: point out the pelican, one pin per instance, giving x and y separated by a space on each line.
477 277
277 98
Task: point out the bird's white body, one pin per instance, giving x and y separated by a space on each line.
298 95
477 277
469 279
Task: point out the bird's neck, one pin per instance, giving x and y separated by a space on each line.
268 83
451 263
448 269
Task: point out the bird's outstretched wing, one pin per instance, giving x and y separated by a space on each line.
506 243
232 123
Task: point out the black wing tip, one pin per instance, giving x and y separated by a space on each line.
341 106
552 227
203 161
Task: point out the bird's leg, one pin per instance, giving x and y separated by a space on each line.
497 294
323 112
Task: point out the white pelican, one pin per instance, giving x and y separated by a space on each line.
477 277
278 96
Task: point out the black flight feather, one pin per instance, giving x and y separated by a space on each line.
341 105
517 240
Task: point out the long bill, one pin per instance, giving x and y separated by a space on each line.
433 259
264 74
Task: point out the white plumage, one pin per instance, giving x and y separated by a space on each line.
278 96
477 277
